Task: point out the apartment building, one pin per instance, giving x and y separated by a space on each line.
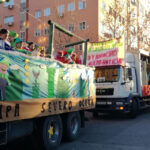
29 18
83 17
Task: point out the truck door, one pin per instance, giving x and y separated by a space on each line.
130 80
134 81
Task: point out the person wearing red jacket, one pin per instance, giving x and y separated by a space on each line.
60 56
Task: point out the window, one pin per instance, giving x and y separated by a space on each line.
128 74
71 27
23 1
22 35
47 12
61 9
71 7
82 4
82 26
46 31
8 20
103 5
37 32
107 75
38 14
11 2
80 47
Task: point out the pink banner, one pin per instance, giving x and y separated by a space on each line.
104 58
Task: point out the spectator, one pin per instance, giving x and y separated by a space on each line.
4 43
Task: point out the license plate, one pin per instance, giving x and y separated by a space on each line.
101 103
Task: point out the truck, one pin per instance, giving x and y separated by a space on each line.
43 98
122 77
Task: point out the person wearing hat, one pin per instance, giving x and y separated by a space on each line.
70 52
66 61
4 66
18 47
4 43
60 56
11 38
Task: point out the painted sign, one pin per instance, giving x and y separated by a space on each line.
29 83
27 109
107 53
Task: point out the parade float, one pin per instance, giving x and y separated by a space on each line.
42 94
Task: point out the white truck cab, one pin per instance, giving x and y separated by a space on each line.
119 88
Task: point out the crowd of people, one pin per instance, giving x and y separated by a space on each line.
9 40
68 57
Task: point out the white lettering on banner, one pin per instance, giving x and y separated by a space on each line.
107 58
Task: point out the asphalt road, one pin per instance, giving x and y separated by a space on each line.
111 132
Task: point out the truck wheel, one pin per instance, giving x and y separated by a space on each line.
134 109
72 126
51 132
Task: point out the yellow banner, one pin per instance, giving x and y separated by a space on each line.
108 45
109 53
27 109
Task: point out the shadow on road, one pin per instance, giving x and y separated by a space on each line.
114 116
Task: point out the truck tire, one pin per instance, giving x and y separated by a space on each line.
134 109
72 126
51 132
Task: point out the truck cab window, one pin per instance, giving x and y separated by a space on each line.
107 75
128 74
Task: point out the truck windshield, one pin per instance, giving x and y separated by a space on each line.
107 75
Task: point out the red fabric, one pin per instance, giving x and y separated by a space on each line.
61 59
26 48
78 61
146 90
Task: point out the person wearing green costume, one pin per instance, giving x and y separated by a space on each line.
11 38
70 51
18 47
4 66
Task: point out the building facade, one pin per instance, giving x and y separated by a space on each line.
85 18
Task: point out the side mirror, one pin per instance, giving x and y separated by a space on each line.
130 78
123 83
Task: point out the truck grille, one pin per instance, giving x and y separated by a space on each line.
3 133
109 91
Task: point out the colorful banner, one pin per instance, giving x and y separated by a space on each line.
25 78
107 53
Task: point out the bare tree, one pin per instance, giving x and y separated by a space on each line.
113 20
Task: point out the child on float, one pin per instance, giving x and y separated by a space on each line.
19 47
